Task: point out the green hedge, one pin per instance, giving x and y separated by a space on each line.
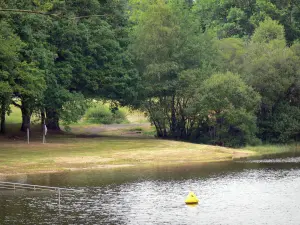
103 115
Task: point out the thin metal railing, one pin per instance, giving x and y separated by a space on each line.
15 186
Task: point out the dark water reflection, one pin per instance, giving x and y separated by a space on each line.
252 192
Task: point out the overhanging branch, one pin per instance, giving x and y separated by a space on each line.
16 104
28 11
81 17
47 14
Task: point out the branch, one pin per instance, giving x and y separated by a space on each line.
80 17
28 11
46 14
16 104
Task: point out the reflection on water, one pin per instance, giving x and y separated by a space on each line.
284 160
254 192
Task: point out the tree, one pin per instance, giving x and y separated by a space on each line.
28 87
91 61
28 81
239 19
228 18
79 55
170 51
229 106
232 52
272 69
9 49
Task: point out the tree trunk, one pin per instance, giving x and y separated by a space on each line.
52 120
26 115
173 118
3 111
43 116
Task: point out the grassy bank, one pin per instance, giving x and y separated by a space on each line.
71 153
273 150
115 148
92 146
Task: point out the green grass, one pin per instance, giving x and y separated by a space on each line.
15 116
265 150
136 116
113 148
91 146
70 152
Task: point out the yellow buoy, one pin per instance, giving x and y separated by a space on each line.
191 198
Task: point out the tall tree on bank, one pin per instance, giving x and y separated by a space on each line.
9 50
229 106
176 60
79 55
91 60
273 69
169 48
28 81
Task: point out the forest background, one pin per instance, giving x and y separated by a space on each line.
222 72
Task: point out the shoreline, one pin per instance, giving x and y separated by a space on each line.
82 166
178 163
112 167
70 153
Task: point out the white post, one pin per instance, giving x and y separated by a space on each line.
59 198
28 135
44 133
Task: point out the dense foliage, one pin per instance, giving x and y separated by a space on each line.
76 53
223 72
102 114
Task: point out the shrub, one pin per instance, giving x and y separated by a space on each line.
101 114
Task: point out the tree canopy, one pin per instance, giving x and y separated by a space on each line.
212 71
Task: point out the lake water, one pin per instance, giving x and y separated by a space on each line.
252 192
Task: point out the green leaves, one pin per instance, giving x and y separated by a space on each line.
9 52
268 31
62 62
270 66
29 81
229 104
230 18
227 91
6 89
196 67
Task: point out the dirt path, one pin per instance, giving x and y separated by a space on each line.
136 129
112 127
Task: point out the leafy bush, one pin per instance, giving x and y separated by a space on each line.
230 106
103 115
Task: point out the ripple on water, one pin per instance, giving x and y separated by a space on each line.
241 195
284 160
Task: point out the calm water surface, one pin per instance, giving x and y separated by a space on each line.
253 192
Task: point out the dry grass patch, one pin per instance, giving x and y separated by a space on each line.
82 159
71 153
